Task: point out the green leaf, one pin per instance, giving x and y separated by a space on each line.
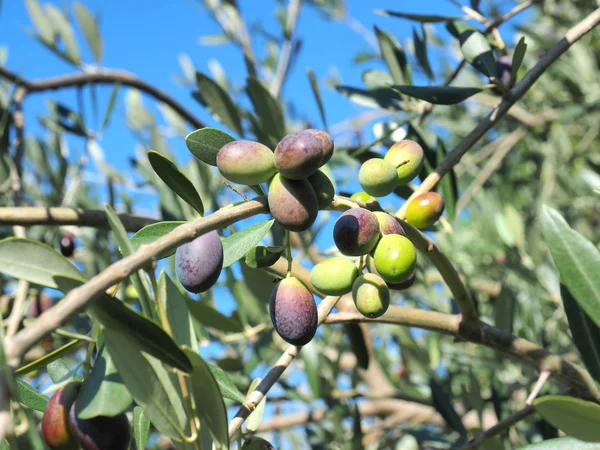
271 123
448 185
141 427
239 243
475 48
218 101
517 59
261 256
63 28
255 417
420 44
385 98
226 385
423 18
103 393
40 21
113 314
152 387
210 317
30 397
58 371
577 261
90 29
586 334
314 84
153 232
205 143
394 57
358 344
439 95
45 360
205 391
576 417
376 79
564 443
110 107
442 403
30 260
310 357
177 312
176 180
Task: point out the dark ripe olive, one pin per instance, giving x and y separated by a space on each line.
198 263
293 311
55 422
67 244
101 432
298 155
326 142
293 203
356 232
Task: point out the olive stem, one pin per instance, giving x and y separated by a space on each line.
241 194
87 363
162 312
403 163
290 259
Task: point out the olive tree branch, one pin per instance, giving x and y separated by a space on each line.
571 36
82 296
525 351
100 77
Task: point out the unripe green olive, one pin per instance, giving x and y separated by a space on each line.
393 286
378 177
407 156
362 197
425 210
395 258
334 276
371 295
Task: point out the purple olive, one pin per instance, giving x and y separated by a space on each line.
356 232
67 245
298 155
293 311
198 263
55 422
101 432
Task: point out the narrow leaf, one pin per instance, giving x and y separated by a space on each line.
586 334
358 344
439 95
420 44
40 21
448 185
205 391
112 101
30 260
151 385
177 312
210 317
152 233
577 418
385 98
394 57
176 180
218 101
517 59
90 29
475 48
141 427
205 143
314 84
103 393
423 18
63 28
577 261
240 242
261 256
271 123
45 360
255 416
310 357
442 403
226 385
30 397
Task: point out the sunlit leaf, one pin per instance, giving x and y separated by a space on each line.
218 101
205 143
90 29
577 418
240 242
394 57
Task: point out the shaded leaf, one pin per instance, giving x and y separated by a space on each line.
423 18
205 143
103 393
385 98
475 48
577 418
141 427
586 333
35 262
357 342
153 232
439 95
205 391
48 358
517 59
577 261
261 256
310 357
239 243
314 84
394 57
420 44
210 317
442 403
177 311
226 385
151 385
30 396
218 101
271 122
90 29
176 180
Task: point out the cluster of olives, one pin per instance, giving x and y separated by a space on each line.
63 430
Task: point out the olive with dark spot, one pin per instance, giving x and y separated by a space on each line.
356 232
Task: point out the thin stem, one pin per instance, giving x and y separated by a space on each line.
160 304
87 363
290 258
293 12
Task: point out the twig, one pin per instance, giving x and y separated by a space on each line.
524 350
101 77
293 12
500 427
572 36
489 168
495 23
82 296
254 398
29 216
544 375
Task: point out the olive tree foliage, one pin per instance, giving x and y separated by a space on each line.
495 346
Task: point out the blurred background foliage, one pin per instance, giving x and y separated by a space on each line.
381 386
